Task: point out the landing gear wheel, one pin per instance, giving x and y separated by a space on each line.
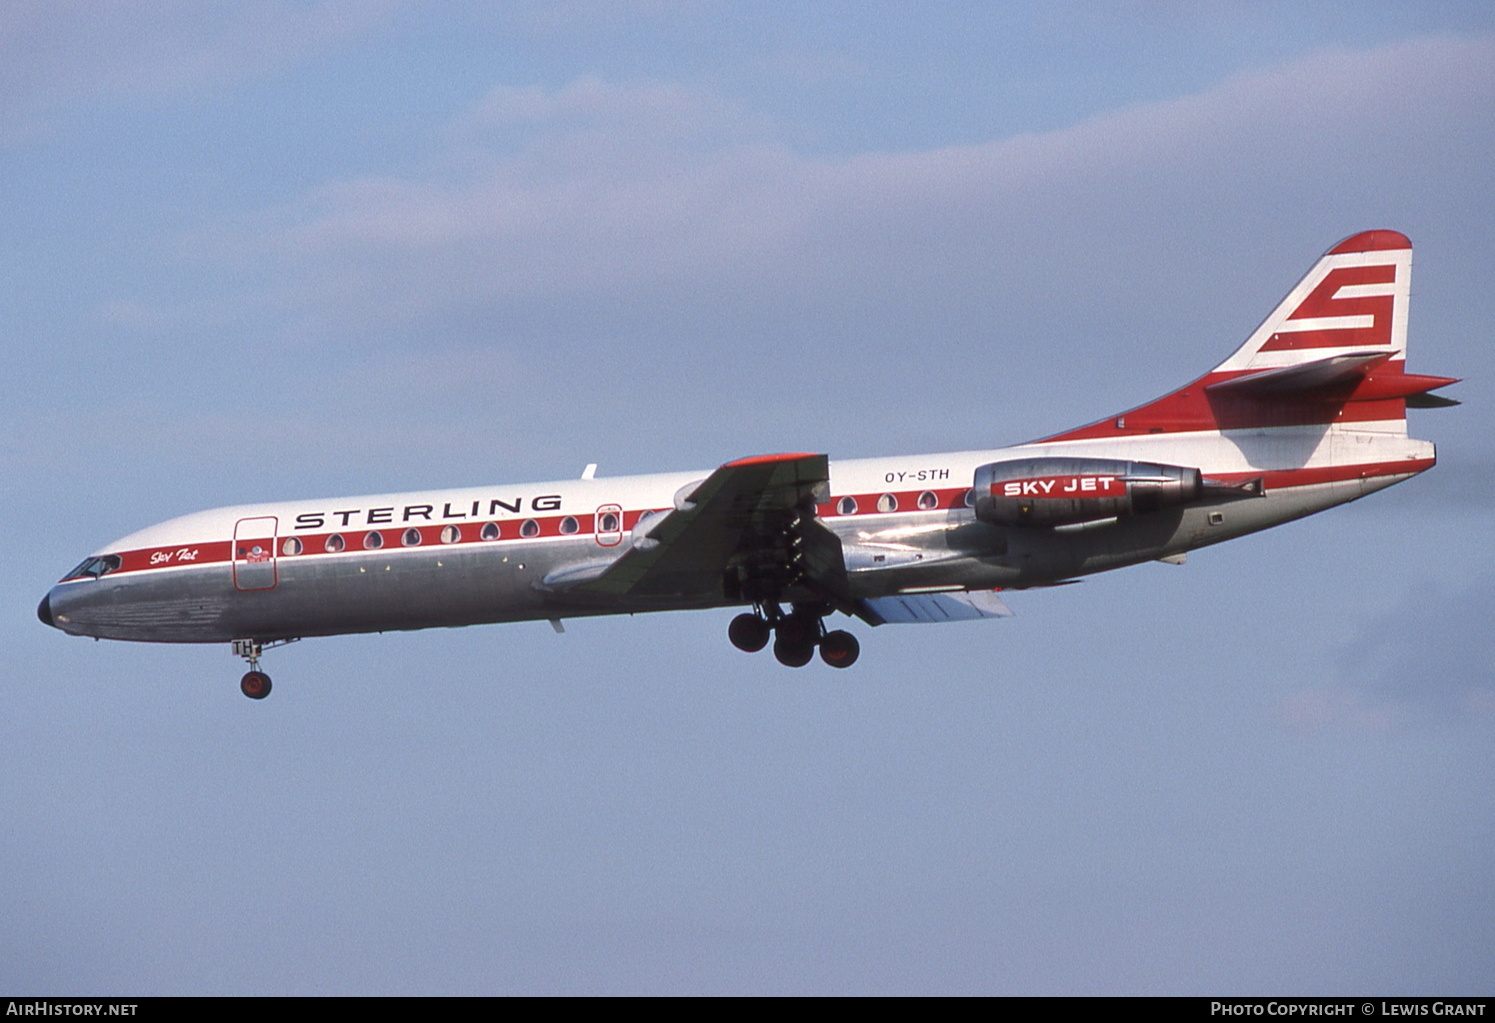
792 652
749 633
839 649
255 685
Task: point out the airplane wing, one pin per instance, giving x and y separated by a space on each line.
750 522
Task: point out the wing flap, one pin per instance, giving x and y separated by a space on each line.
930 608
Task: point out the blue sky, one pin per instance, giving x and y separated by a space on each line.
277 250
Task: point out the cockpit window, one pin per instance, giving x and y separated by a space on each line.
92 568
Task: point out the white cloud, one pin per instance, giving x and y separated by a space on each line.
625 190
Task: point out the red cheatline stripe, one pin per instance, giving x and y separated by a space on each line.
908 501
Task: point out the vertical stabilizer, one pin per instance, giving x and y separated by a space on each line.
1353 301
1333 353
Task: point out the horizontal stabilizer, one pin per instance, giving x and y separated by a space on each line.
923 608
1307 376
1431 401
1357 376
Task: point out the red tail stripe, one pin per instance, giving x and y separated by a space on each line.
1372 241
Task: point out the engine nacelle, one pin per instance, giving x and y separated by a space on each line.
1064 491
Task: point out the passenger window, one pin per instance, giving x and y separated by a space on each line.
928 501
569 525
333 543
530 528
292 546
887 503
411 537
373 541
610 523
450 534
490 531
846 506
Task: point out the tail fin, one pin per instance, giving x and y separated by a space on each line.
1333 351
1353 301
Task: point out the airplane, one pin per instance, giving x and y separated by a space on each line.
1310 412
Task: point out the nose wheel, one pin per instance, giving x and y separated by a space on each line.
796 636
255 685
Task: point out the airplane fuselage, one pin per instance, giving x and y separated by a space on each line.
506 553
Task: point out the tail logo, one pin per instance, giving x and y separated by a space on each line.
1350 308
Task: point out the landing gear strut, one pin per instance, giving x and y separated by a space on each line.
796 635
255 684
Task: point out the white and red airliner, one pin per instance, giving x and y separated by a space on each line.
1309 413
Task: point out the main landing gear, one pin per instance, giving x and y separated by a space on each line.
255 684
795 636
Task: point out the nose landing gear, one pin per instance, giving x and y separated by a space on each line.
255 684
796 636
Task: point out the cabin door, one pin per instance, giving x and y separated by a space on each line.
254 554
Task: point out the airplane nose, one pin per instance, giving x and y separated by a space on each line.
44 611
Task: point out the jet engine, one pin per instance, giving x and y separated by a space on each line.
1066 491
